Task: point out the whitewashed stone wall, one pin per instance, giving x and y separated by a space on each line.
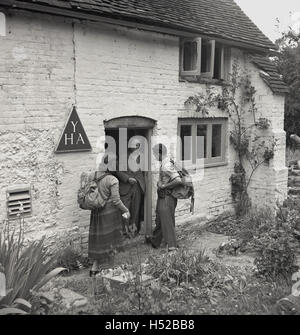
47 65
269 184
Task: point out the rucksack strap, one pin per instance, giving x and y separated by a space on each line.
174 164
177 168
102 177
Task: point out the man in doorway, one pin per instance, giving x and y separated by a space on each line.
169 178
132 191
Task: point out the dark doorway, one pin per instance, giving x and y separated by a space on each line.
136 126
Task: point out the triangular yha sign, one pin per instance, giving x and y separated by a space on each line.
73 137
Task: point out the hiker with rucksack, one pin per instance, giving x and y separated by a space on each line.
173 184
99 193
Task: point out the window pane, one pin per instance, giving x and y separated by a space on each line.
190 56
217 140
201 141
218 62
186 142
205 56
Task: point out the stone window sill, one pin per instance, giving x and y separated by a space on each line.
201 80
208 165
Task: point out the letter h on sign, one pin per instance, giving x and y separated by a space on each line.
73 137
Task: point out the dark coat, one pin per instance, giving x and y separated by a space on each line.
125 186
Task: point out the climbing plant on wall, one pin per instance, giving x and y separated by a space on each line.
248 134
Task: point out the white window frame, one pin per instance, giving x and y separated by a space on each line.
195 72
225 57
2 24
210 73
209 161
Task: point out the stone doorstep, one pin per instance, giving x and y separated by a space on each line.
69 298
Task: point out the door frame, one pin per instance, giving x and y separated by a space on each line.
146 124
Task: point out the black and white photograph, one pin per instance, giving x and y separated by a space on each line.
149 160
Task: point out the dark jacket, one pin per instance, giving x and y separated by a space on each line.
125 186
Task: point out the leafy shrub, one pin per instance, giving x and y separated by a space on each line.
26 268
275 253
71 258
181 266
271 237
18 307
277 244
243 228
147 299
179 277
290 214
255 223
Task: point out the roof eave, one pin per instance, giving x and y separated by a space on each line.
167 28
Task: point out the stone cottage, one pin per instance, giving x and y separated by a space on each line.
123 64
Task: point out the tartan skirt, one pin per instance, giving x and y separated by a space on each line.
105 234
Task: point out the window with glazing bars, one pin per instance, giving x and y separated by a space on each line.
202 139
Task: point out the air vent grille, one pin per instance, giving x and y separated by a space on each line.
18 202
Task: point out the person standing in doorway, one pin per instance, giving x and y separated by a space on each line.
166 203
132 191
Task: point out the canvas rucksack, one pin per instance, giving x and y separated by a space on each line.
88 196
186 190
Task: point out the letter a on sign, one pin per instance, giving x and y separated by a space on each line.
73 137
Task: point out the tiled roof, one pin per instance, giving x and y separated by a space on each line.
216 18
270 74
